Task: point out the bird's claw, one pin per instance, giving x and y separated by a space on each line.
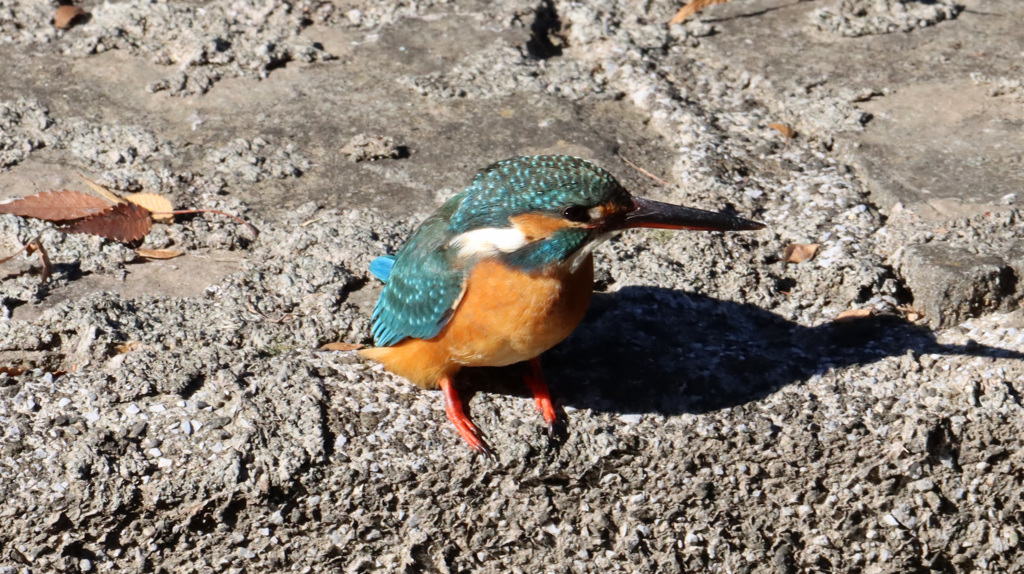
467 430
472 435
542 397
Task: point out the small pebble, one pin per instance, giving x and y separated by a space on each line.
217 422
923 485
137 429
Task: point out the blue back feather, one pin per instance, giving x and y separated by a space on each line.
422 286
381 267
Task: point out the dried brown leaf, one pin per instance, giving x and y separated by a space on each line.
158 253
12 371
798 252
910 313
124 222
104 192
853 315
339 346
786 131
692 8
56 206
127 347
156 204
65 16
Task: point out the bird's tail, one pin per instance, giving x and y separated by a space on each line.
414 359
381 267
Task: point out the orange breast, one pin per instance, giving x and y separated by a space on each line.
505 316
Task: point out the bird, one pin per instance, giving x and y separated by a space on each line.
504 270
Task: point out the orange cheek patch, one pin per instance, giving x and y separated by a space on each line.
611 209
537 226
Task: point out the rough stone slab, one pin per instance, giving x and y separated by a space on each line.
951 284
941 135
718 417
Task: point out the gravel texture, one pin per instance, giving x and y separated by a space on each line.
853 18
178 416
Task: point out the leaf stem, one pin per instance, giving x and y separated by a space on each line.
255 232
30 247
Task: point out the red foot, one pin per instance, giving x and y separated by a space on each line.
541 395
466 428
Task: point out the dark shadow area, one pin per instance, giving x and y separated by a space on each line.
194 383
545 41
655 350
278 63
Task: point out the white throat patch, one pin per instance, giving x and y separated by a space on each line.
580 256
488 241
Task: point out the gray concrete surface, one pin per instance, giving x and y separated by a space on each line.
719 418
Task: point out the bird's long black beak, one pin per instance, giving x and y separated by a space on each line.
649 213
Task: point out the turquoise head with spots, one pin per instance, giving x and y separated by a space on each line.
559 185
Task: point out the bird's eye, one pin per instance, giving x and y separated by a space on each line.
576 213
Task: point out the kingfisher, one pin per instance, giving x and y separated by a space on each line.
504 270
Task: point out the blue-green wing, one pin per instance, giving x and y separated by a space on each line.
422 288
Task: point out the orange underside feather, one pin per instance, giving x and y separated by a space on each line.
505 316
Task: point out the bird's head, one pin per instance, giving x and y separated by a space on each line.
536 211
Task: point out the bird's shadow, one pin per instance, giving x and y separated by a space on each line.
656 350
